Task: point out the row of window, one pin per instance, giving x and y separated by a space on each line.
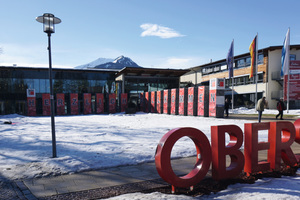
240 63
244 80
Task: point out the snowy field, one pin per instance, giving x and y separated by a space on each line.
86 142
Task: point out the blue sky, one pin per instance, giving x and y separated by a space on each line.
157 33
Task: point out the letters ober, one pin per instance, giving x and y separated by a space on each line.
281 136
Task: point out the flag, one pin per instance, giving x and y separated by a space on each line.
252 49
229 60
285 55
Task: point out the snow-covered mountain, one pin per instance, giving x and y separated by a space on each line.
105 63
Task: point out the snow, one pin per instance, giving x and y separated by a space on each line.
86 142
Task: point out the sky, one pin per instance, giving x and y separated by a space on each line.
158 34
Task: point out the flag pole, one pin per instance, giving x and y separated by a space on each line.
288 81
232 85
256 68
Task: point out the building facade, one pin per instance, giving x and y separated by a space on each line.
14 82
269 82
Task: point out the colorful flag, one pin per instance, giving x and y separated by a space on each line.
285 55
230 61
252 49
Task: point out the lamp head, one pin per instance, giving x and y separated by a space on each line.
48 20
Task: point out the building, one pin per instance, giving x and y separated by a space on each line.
14 81
137 80
269 83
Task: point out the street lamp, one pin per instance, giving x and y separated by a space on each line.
49 20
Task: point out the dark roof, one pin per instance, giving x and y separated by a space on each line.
59 69
152 72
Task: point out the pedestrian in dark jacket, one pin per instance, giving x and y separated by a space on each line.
280 108
227 104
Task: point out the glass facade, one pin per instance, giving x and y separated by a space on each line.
148 84
14 81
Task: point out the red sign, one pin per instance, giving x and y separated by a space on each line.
173 101
99 103
165 103
153 102
46 104
158 101
191 101
146 102
212 103
294 82
31 104
87 103
123 102
112 103
60 103
74 103
278 145
201 90
181 102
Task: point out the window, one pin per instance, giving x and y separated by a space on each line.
240 63
248 62
292 57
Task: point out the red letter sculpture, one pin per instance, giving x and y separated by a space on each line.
252 146
280 146
163 157
219 151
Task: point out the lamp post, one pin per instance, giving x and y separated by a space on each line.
49 20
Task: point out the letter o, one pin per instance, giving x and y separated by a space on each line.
163 157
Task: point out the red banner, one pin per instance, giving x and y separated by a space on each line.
146 102
158 101
181 102
165 103
60 103
123 102
87 103
191 101
99 103
112 103
173 101
46 104
74 103
31 103
201 90
212 103
294 82
153 102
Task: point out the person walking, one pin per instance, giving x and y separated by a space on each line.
280 108
227 103
260 107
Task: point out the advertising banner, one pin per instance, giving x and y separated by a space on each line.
158 101
146 102
181 102
153 106
173 101
112 103
99 103
191 102
60 104
87 103
123 102
74 103
216 97
203 101
165 102
294 82
31 102
46 104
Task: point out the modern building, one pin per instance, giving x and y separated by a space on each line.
137 80
269 82
14 81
